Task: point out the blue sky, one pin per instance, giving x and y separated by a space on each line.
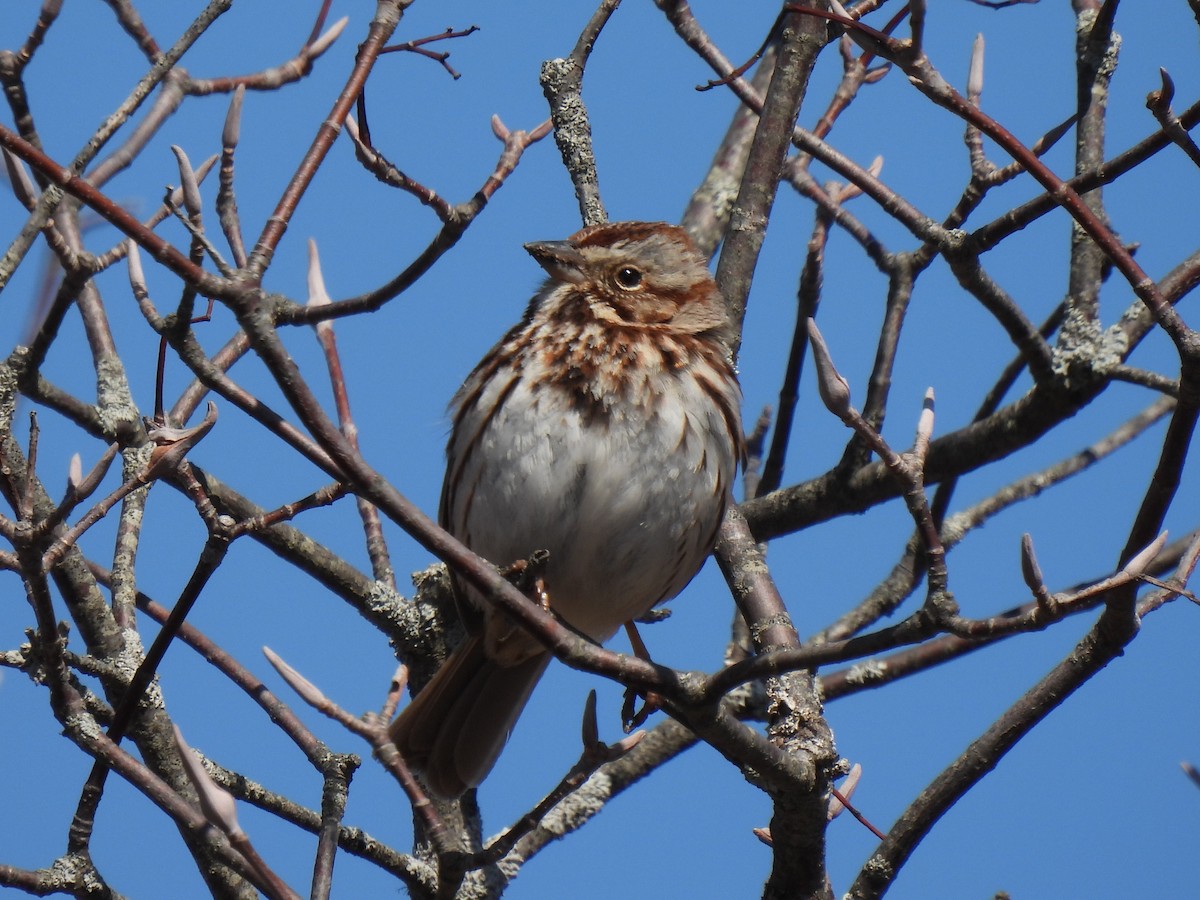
1091 804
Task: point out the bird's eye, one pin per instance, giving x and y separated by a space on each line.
629 278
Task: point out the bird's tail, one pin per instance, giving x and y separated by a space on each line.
454 729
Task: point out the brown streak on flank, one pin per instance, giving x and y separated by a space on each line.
482 375
466 513
717 395
683 432
469 449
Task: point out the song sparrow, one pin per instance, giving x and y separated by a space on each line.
603 428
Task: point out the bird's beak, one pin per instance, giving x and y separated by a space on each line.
561 259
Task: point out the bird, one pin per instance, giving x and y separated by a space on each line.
602 432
